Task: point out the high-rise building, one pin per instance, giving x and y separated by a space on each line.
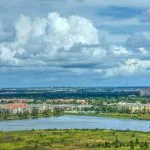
145 92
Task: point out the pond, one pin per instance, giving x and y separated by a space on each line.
78 122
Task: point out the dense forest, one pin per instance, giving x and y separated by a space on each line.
68 93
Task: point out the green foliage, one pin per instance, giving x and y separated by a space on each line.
74 139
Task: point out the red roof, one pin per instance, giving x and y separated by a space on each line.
17 105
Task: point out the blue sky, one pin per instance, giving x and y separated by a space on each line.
74 43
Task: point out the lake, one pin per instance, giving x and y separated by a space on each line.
79 122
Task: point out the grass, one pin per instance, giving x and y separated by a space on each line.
114 115
126 116
74 140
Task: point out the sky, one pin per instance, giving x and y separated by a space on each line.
74 43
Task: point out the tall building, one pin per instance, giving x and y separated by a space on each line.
145 92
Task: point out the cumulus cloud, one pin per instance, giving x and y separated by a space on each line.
139 44
45 38
119 50
128 68
71 44
144 51
23 28
96 53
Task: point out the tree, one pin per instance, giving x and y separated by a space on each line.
144 146
35 112
132 145
136 141
133 134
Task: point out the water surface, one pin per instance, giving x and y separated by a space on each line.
79 122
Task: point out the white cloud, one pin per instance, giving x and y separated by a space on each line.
72 44
143 51
97 53
128 68
39 27
119 50
23 28
45 38
66 32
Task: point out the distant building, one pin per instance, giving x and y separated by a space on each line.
67 101
134 107
145 92
14 100
15 108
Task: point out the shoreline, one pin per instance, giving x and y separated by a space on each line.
107 115
79 121
114 115
10 118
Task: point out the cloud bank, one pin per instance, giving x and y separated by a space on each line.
74 45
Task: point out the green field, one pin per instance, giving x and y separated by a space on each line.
74 140
113 115
126 116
